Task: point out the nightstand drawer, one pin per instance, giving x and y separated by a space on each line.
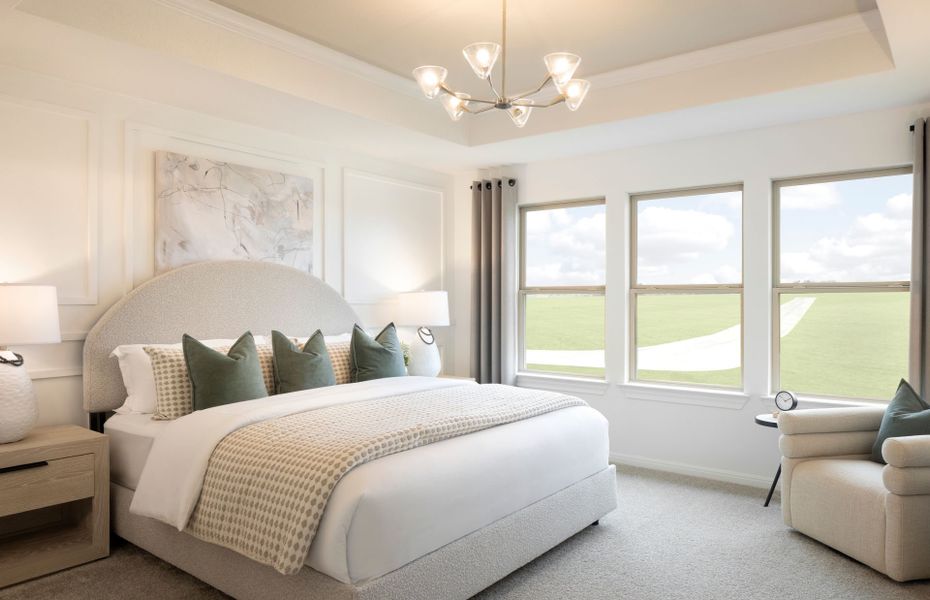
61 480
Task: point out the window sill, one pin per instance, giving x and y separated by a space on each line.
819 402
563 383
732 400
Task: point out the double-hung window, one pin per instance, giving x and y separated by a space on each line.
562 279
842 269
686 287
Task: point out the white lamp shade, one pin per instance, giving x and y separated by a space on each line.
29 315
423 309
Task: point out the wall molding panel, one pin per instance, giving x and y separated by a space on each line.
421 243
89 292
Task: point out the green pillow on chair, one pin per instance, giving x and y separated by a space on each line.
375 358
218 378
296 369
906 415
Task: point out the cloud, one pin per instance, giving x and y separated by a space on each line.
901 205
565 249
876 247
813 196
670 236
723 275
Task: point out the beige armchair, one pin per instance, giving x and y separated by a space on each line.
831 491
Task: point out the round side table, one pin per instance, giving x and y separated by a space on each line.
767 420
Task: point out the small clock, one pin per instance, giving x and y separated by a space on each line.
786 400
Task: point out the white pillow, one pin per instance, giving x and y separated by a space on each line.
300 340
138 378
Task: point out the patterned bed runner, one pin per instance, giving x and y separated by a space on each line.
267 484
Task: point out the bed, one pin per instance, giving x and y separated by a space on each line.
443 520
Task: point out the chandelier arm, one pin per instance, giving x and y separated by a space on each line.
553 102
534 91
480 110
451 92
480 101
494 90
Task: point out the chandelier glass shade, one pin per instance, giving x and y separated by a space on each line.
482 58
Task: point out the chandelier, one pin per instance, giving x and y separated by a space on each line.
482 56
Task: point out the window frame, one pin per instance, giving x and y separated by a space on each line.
524 291
637 289
779 288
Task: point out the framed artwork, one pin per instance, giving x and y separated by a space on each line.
213 210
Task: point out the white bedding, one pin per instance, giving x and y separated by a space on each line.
391 511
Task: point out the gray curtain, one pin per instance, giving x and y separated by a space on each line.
920 265
493 249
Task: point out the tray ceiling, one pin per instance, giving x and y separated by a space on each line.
609 34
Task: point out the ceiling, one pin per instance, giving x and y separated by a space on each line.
608 34
730 66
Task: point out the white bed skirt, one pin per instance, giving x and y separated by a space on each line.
456 571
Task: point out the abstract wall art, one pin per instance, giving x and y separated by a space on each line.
213 210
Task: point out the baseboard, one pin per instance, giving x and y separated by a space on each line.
692 470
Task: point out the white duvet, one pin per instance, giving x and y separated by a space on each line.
173 475
391 511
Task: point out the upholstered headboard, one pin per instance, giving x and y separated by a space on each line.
208 301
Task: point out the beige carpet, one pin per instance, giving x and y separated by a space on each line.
672 537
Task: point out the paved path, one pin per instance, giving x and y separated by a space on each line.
714 352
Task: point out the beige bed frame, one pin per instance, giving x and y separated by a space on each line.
223 299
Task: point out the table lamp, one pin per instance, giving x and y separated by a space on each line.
28 315
424 310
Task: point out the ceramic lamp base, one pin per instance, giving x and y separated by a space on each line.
18 412
424 359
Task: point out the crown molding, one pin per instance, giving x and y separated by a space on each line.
755 46
262 32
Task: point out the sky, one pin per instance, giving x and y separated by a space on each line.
689 239
844 231
847 231
565 246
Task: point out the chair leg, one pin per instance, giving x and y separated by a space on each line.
772 489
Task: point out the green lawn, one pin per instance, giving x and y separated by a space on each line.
848 345
664 319
561 322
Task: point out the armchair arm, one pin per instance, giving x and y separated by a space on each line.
910 481
826 432
823 445
909 451
831 420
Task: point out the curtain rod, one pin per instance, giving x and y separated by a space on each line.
510 182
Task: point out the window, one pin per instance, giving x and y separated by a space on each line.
842 268
686 290
562 278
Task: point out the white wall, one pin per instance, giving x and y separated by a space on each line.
696 431
76 199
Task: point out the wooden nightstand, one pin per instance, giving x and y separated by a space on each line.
54 502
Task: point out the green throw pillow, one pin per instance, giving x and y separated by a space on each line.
375 358
296 369
218 378
906 415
